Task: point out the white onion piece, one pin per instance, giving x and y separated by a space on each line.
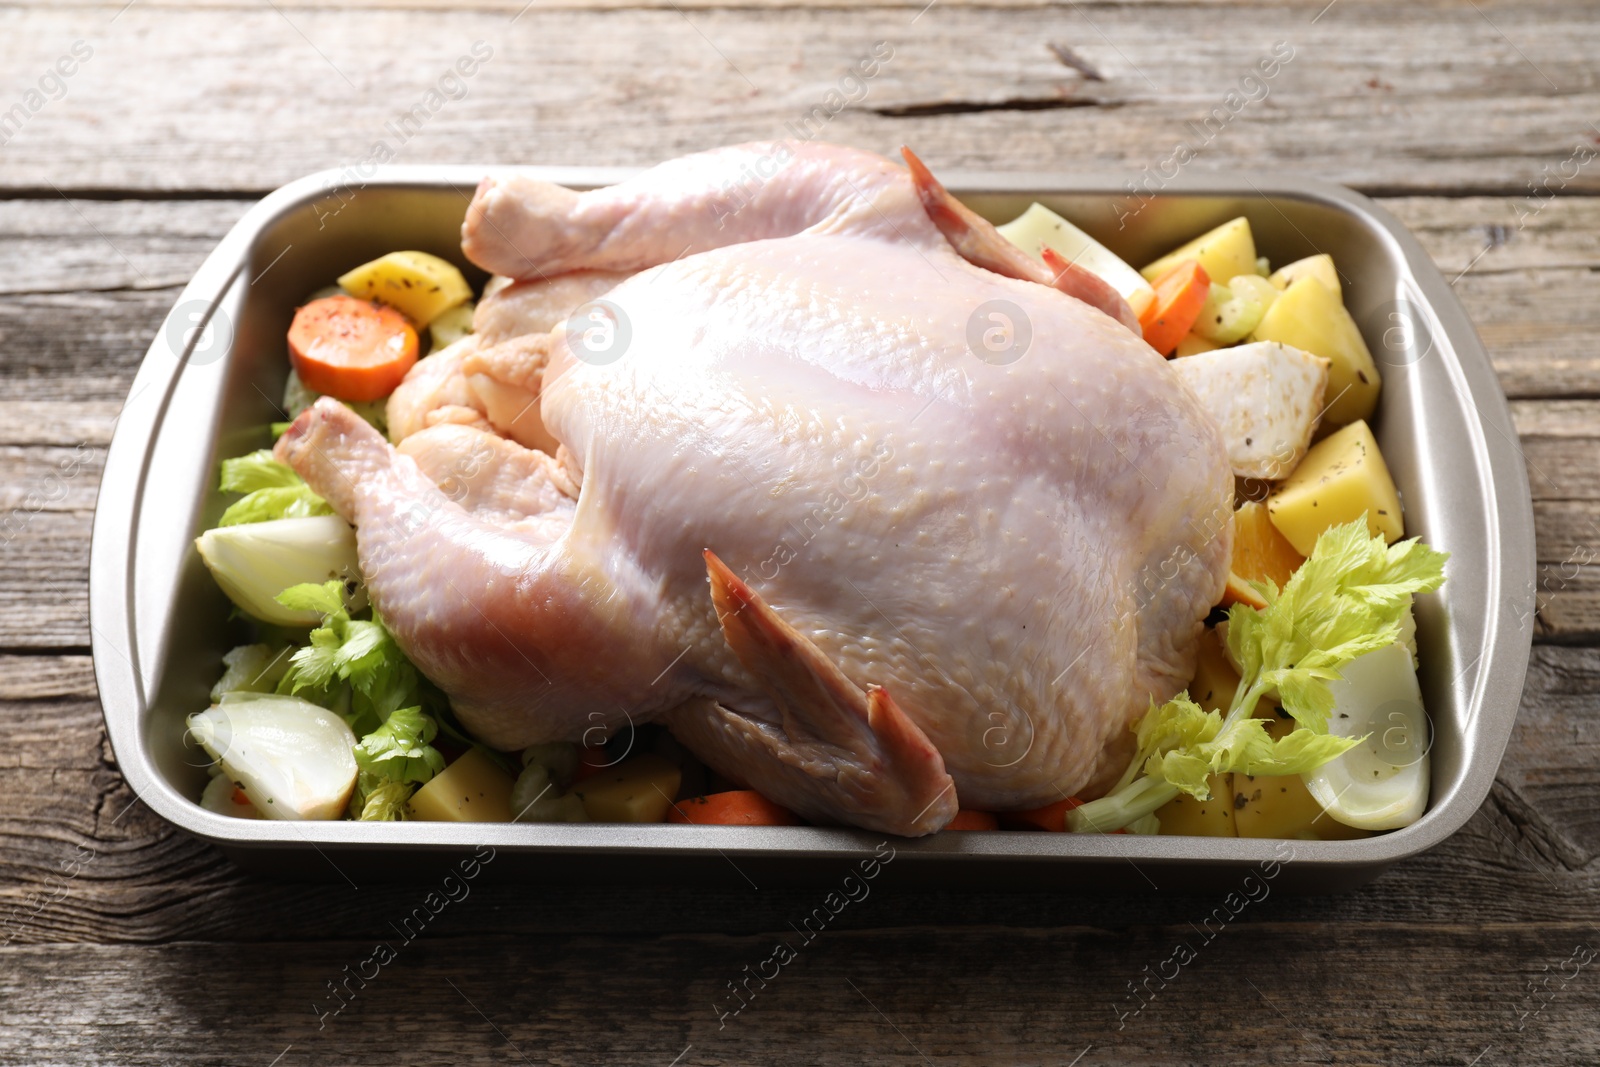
256 561
293 759
1382 783
218 797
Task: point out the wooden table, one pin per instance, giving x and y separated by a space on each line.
125 942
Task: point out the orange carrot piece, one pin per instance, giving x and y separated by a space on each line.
351 349
1051 817
739 807
1180 294
968 819
591 761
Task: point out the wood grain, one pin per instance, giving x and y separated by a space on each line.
1503 93
924 993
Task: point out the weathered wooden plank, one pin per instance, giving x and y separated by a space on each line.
1560 441
78 347
39 478
1528 273
1503 93
512 7
46 677
63 246
910 995
44 575
78 864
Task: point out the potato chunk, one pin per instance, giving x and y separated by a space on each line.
1225 252
1318 267
1275 805
1192 345
418 285
1266 398
640 789
1188 817
1215 681
472 789
1310 317
1342 476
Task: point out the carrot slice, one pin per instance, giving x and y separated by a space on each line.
739 807
1050 817
1180 294
351 349
591 761
968 819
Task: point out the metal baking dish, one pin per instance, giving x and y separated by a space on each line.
206 391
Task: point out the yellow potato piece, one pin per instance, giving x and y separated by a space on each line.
1342 476
1281 806
1215 681
472 789
1309 317
1223 253
1193 344
1185 816
1319 267
640 789
417 284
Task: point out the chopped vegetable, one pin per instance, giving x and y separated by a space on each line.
358 652
536 798
296 398
1192 345
1309 317
1193 817
1279 805
1232 311
1348 599
379 800
222 796
292 758
1342 478
1215 681
1051 816
1319 267
1039 228
451 326
968 819
272 491
255 562
1265 397
1225 252
1260 552
1382 782
351 349
639 789
472 789
251 669
740 807
558 758
1180 294
418 284
592 759
400 750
